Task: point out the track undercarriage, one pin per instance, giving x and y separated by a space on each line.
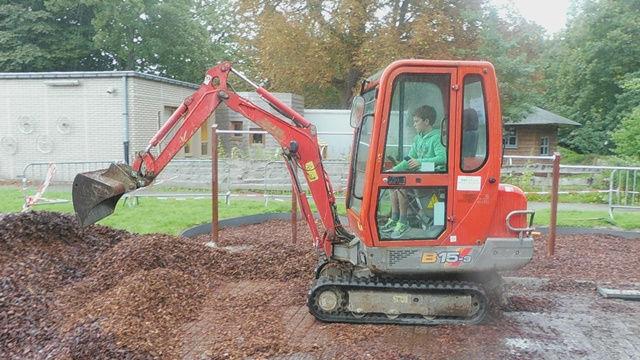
341 297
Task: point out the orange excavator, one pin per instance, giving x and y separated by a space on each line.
429 223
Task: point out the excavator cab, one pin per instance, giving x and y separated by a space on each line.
439 178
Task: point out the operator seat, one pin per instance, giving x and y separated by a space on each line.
470 133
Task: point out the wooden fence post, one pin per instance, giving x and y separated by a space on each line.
555 182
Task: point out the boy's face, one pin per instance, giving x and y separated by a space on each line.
420 124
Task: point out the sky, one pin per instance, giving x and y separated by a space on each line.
550 14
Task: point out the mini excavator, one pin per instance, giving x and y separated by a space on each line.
459 226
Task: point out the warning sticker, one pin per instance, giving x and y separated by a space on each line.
312 175
432 202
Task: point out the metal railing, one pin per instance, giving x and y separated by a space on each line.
65 171
508 159
623 190
35 173
624 183
283 183
622 193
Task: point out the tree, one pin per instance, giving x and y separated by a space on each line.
513 45
627 134
168 38
23 33
54 35
322 48
179 39
221 19
586 67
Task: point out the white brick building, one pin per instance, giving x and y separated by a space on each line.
81 116
63 117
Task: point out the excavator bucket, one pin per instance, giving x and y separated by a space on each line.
96 193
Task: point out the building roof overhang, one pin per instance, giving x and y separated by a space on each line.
95 74
540 116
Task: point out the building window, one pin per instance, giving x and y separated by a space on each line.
204 139
544 146
187 148
510 137
256 138
236 126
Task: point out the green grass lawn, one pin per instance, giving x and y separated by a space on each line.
153 215
172 216
623 220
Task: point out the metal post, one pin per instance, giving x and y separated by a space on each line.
125 117
611 190
551 243
214 183
635 188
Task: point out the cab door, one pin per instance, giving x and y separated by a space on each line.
413 184
478 160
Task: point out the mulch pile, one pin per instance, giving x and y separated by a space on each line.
98 292
68 292
41 252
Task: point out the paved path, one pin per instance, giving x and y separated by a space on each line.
569 206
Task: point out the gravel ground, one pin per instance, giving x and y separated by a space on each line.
70 293
600 258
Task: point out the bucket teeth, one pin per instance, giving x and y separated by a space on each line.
96 193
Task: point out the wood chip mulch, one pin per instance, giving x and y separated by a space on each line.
68 292
581 260
98 292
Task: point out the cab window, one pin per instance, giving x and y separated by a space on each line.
362 150
416 134
474 125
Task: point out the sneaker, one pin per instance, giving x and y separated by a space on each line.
399 230
388 226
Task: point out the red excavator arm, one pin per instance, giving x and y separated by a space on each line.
95 193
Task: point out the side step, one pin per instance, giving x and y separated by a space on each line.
389 301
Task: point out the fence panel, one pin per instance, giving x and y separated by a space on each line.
624 184
621 187
34 173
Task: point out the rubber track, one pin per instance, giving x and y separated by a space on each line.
453 287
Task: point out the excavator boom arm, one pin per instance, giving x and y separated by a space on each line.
297 137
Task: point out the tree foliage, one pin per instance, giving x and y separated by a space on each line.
513 45
179 38
627 134
323 48
586 71
54 35
318 48
167 38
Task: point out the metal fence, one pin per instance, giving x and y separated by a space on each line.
33 174
270 179
623 189
65 171
276 178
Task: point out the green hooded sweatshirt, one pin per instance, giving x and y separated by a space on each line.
426 147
